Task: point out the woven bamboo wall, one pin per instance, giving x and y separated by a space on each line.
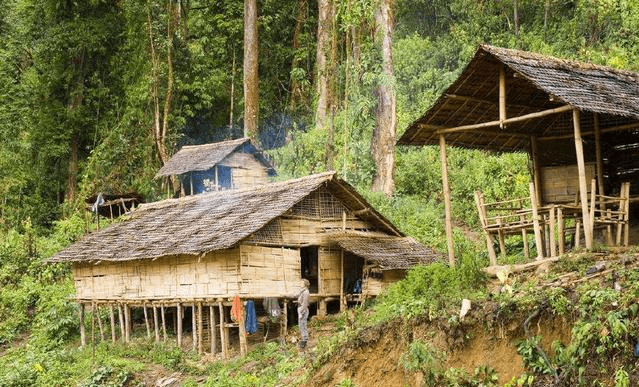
246 170
330 275
373 286
270 271
561 184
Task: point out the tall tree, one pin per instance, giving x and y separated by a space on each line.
384 133
325 63
251 80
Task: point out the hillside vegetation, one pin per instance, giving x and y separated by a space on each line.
82 85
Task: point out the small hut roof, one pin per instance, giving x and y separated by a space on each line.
534 83
197 224
389 252
204 157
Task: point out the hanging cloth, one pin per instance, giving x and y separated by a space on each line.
236 309
272 306
251 318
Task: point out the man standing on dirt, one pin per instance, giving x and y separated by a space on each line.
302 312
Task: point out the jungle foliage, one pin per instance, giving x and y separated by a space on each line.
84 84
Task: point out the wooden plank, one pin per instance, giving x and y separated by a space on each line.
447 205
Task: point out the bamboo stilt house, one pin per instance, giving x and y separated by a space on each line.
218 166
578 122
257 243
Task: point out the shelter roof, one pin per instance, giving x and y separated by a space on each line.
389 252
203 157
198 224
534 83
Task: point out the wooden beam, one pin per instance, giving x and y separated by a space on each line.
600 180
200 329
146 322
156 323
507 121
212 327
535 213
83 336
121 318
163 322
618 128
447 206
179 325
112 320
194 325
583 184
534 150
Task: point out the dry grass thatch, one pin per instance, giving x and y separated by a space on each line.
204 157
388 252
197 224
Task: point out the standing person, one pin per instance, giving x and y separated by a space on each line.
302 312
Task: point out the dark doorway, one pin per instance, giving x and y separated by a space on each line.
353 273
309 268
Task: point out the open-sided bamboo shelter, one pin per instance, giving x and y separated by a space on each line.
218 166
577 122
199 252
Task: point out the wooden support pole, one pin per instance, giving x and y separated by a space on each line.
534 150
551 231
242 331
583 184
535 214
626 216
146 322
162 311
502 95
600 173
96 310
194 325
561 229
121 318
342 298
501 238
213 330
593 201
447 206
83 336
284 322
127 323
200 329
156 323
524 237
112 320
179 325
481 209
222 331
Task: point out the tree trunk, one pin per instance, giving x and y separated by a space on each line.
296 87
251 80
384 134
325 62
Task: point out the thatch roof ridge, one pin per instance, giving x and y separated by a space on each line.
205 156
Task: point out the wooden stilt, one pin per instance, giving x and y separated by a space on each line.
96 310
179 325
502 240
502 95
342 299
222 330
583 184
626 236
561 225
534 150
156 324
577 233
112 320
481 209
535 212
163 314
447 206
121 318
83 337
284 321
524 237
194 325
127 323
213 332
599 156
551 237
200 329
146 322
242 331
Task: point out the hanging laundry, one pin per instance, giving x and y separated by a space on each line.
251 318
236 309
272 307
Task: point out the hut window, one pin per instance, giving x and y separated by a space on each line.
309 266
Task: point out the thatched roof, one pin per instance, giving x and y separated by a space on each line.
198 224
388 252
204 157
534 83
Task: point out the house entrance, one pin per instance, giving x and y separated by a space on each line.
310 266
353 273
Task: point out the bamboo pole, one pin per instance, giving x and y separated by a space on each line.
561 226
583 187
121 318
222 329
156 324
600 177
626 216
194 325
179 325
213 330
100 327
551 239
200 329
146 322
446 189
538 239
163 322
342 299
83 336
242 332
127 323
284 322
481 209
534 150
112 320
502 95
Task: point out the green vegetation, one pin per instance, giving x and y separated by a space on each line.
80 83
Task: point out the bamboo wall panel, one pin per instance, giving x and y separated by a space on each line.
561 184
372 286
246 170
330 266
269 270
